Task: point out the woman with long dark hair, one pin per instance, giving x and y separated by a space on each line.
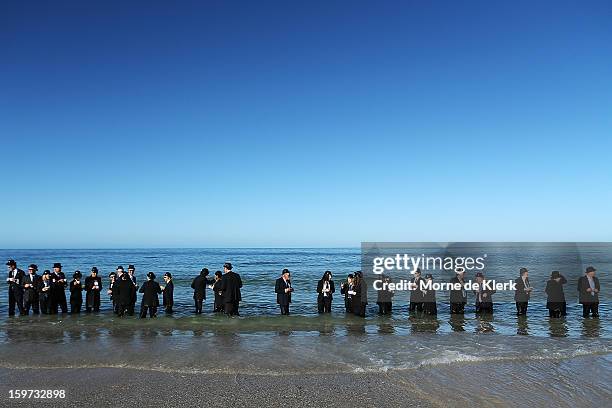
325 289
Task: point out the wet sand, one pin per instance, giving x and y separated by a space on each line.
503 384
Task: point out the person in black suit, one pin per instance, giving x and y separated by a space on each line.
484 296
360 298
93 286
556 297
430 306
216 287
150 299
346 288
384 297
168 293
112 286
588 293
458 296
122 294
283 291
523 292
416 294
58 289
325 289
31 282
230 288
134 296
76 293
44 292
198 285
15 292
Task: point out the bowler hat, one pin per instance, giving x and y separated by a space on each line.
151 275
590 269
228 266
33 266
11 262
57 265
555 274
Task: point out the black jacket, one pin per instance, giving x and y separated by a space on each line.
18 283
150 289
122 291
282 298
554 290
168 291
59 283
332 289
458 296
199 287
583 295
76 292
31 293
416 294
520 295
230 287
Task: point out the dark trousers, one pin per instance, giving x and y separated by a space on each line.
384 308
15 298
131 307
75 307
231 309
59 300
122 309
284 309
430 308
168 309
590 308
151 309
484 307
44 303
457 307
31 302
415 307
521 308
359 309
324 304
198 305
348 305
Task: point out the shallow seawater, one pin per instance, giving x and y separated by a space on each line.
262 342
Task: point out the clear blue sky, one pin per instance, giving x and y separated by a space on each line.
304 123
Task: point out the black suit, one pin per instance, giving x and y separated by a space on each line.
283 298
92 295
484 299
348 298
150 300
58 292
458 297
134 295
199 291
76 296
556 297
230 289
416 295
122 295
218 307
44 296
30 294
589 300
324 300
521 296
168 297
16 291
360 298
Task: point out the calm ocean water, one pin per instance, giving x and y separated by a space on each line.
314 344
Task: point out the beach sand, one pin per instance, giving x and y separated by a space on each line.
504 384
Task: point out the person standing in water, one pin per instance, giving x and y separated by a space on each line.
122 294
416 294
523 292
58 289
31 282
360 298
168 293
230 288
588 292
93 286
346 288
76 293
216 288
458 295
556 297
283 291
44 292
15 292
150 290
484 296
112 286
384 297
325 290
429 298
198 285
134 293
